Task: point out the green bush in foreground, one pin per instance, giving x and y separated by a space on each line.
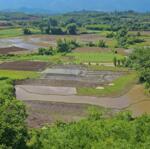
13 130
119 132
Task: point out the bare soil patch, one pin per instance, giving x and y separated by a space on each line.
49 90
12 50
24 65
41 112
59 83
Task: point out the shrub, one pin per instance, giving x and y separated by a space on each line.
110 35
46 51
140 60
101 44
57 31
65 46
27 31
72 29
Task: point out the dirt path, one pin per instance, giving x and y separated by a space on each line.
129 100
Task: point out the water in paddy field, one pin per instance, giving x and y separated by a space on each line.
19 42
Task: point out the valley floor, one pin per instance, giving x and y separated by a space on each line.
135 100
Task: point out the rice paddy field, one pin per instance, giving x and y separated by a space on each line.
95 57
15 32
18 75
29 71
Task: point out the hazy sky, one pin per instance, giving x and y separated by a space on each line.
70 5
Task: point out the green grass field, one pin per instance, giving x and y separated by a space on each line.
5 33
18 75
32 57
14 32
76 58
107 68
120 86
94 57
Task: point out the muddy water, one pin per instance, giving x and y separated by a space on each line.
22 42
33 42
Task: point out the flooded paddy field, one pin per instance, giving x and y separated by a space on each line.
13 50
73 76
59 84
33 42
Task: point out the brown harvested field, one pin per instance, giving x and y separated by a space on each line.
41 113
60 83
12 50
82 37
24 65
45 112
143 33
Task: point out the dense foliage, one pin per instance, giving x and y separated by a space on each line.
65 45
119 132
97 131
140 60
13 130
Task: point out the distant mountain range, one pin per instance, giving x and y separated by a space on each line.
30 10
59 6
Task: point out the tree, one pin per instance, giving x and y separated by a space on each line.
63 46
27 31
52 22
101 44
13 131
56 31
121 37
115 61
66 45
41 26
47 30
72 29
138 34
139 59
46 51
91 44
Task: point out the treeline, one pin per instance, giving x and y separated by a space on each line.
140 60
100 21
80 22
124 39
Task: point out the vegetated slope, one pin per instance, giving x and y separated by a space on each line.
121 131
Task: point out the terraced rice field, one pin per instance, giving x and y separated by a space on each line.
24 65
